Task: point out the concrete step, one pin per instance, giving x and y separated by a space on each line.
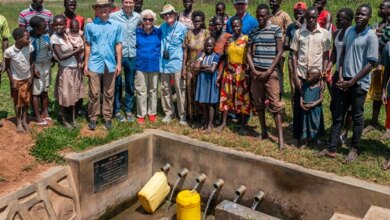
338 216
227 210
377 213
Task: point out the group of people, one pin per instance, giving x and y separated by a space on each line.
233 68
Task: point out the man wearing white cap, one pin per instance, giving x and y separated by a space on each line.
173 35
103 56
248 21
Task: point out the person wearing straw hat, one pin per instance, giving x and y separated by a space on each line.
103 58
173 35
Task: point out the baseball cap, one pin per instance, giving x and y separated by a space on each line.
300 5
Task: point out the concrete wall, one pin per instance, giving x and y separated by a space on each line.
97 204
291 192
52 197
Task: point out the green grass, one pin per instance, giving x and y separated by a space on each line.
52 141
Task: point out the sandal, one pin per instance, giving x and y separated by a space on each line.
42 123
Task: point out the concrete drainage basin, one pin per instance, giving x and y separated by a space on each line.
103 183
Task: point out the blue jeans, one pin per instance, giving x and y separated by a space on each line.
128 65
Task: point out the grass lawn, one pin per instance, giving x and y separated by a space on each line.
51 141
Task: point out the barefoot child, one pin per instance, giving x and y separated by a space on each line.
69 84
19 66
207 91
42 60
311 104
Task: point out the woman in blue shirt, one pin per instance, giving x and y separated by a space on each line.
148 41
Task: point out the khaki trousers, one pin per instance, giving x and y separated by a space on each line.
94 95
166 94
146 93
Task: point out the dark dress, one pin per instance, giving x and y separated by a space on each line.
206 87
312 120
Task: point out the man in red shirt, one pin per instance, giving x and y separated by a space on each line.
70 13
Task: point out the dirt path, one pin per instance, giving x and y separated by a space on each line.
17 166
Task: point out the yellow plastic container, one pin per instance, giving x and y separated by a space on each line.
188 205
154 192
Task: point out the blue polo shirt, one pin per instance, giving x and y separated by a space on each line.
148 50
248 24
103 37
359 50
129 25
172 40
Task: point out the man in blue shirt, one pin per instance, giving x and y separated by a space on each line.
359 56
173 35
129 20
248 22
103 55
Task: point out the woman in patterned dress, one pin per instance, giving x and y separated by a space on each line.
235 79
193 45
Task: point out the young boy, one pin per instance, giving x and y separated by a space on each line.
19 66
42 60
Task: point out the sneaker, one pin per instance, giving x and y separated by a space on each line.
152 118
183 120
141 120
120 117
92 125
130 117
108 125
167 119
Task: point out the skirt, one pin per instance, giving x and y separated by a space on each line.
69 86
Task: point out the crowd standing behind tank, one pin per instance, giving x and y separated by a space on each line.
232 69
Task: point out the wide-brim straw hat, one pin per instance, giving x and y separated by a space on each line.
101 2
167 9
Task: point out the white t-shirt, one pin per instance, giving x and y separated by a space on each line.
66 47
20 61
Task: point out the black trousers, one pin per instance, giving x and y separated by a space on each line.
341 100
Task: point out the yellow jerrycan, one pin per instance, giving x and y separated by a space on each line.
154 192
188 205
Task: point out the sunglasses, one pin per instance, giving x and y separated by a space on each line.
148 19
169 13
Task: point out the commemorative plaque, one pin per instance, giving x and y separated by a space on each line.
110 170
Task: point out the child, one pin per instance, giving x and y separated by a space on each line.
311 104
76 39
69 84
207 91
19 66
42 74
220 9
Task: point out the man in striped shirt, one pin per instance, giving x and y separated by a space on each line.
36 9
266 49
